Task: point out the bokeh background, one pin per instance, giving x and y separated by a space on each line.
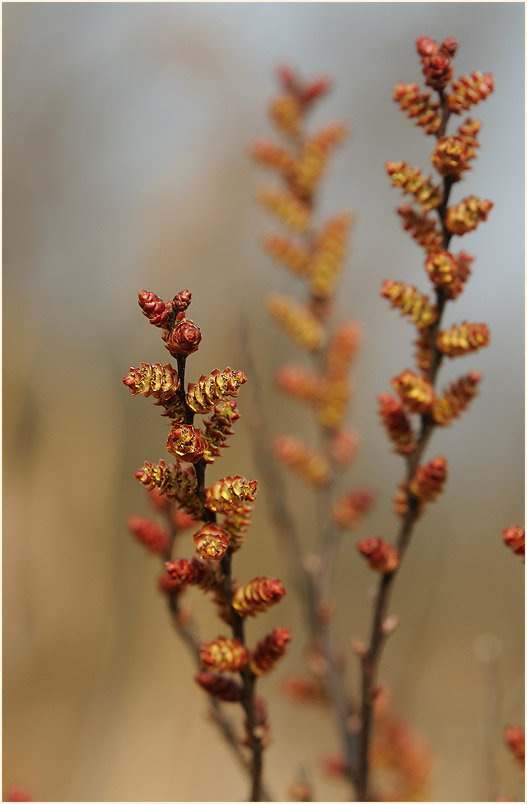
125 166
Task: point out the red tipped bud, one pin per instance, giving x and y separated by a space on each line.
426 46
181 300
221 687
268 651
148 533
155 309
437 69
381 556
514 537
429 480
183 339
211 541
257 596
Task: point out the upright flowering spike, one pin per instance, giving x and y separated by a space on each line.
221 687
211 541
174 482
186 443
269 651
469 90
229 493
422 228
310 465
286 206
514 537
181 300
183 339
381 556
223 655
456 398
410 301
342 349
429 480
451 157
290 254
313 158
218 428
286 112
467 215
300 383
296 321
203 395
149 533
417 106
350 508
397 424
415 391
273 156
463 339
329 254
257 596
411 181
515 739
156 310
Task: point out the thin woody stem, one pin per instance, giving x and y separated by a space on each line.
237 625
370 660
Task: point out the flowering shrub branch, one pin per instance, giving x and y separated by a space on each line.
178 490
448 274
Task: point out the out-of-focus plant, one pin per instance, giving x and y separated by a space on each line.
228 669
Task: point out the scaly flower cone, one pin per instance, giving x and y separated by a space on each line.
410 302
350 508
211 542
257 596
223 655
237 523
469 90
397 424
514 538
381 556
429 480
415 391
463 339
229 493
269 651
203 395
153 379
176 483
412 181
451 157
149 533
221 687
156 310
312 467
218 428
286 206
294 257
186 443
183 339
417 106
421 228
296 321
456 398
467 215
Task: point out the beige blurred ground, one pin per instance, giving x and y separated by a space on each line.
124 132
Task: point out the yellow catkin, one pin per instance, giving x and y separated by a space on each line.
412 181
296 321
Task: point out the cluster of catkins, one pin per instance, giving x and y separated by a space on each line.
447 271
316 256
219 514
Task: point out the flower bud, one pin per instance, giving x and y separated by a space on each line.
268 651
211 541
450 157
257 596
223 654
186 443
155 309
183 339
415 391
181 300
381 555
429 480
